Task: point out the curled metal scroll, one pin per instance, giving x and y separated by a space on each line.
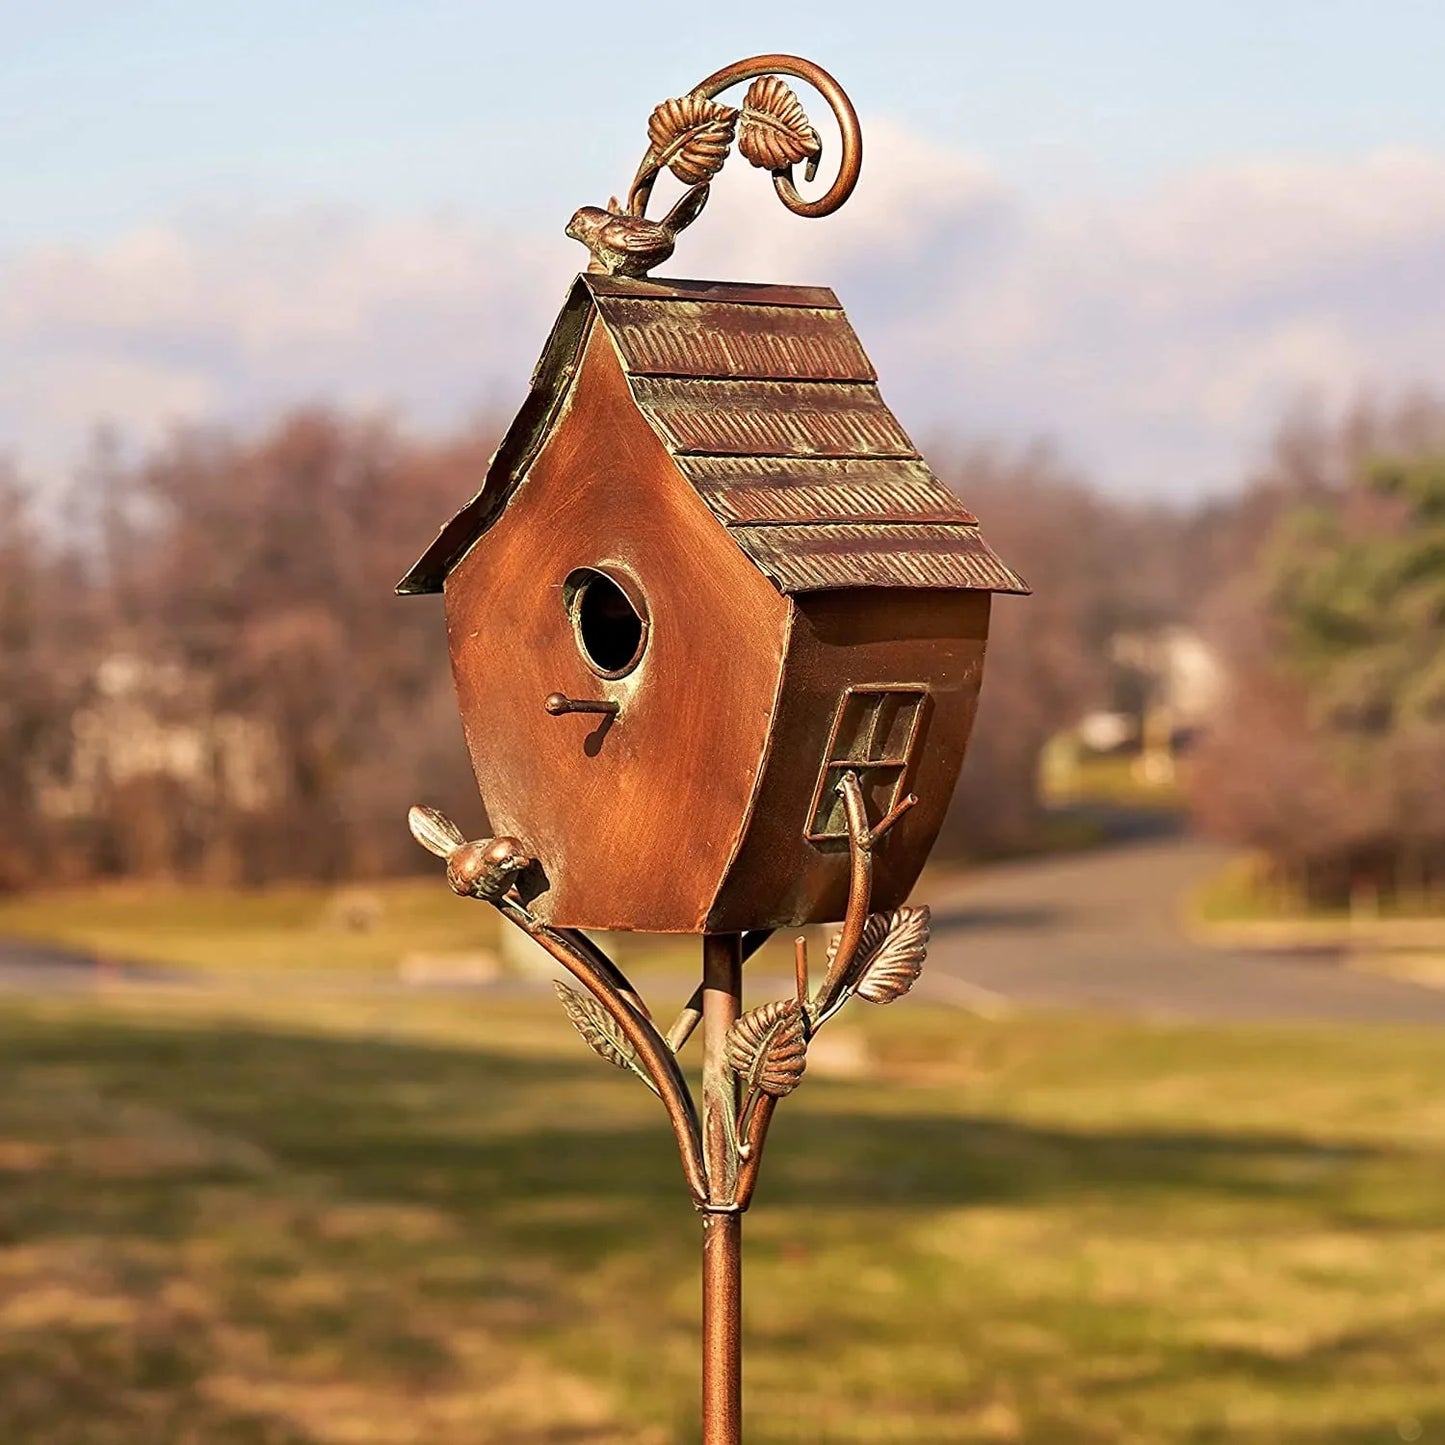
692 135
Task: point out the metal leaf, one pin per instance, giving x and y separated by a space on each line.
434 831
891 954
774 132
768 1048
597 1029
692 135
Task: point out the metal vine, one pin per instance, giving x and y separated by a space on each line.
874 956
692 136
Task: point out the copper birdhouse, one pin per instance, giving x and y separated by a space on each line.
718 634
706 573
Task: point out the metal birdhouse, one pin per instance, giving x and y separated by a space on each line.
718 635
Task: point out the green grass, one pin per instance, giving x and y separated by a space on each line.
369 928
1243 892
1111 779
237 1221
297 926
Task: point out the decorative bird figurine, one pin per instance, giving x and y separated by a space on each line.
486 868
623 245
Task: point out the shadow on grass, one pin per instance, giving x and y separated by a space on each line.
431 1125
547 1172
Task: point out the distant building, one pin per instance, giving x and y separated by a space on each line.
1179 681
1165 687
1182 675
152 719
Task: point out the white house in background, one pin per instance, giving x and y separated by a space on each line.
1173 681
151 719
1183 681
1183 675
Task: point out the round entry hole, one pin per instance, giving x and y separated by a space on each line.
610 629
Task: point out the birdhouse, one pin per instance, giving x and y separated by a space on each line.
707 574
718 634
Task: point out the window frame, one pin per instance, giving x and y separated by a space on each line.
901 763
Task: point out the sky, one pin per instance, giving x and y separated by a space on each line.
1140 232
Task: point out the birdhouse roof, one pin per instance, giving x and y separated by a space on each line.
766 403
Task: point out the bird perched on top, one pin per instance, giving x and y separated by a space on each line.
623 245
486 868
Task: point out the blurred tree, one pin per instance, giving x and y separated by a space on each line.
1048 655
40 597
272 707
1330 756
1363 608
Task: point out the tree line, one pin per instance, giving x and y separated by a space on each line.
205 675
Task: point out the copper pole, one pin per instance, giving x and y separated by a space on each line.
722 1238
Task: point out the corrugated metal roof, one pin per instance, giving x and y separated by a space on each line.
770 408
823 556
717 339
824 489
771 418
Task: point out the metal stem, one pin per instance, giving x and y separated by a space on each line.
722 1354
656 1058
691 1015
722 983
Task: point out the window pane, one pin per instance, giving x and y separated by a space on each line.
854 726
896 714
880 785
830 820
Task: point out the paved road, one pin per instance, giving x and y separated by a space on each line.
1101 930
1104 930
38 968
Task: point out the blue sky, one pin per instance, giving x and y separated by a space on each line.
114 111
237 129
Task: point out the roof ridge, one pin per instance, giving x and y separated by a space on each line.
847 519
733 380
731 293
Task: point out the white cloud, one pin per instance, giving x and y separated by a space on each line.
1155 336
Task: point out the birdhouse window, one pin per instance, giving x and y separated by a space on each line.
875 735
610 621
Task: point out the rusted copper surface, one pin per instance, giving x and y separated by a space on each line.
757 293
599 800
931 640
722 993
557 705
722 1346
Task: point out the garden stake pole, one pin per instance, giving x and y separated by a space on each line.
722 1219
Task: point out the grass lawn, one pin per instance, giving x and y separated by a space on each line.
370 927
291 927
228 1220
1242 892
1111 779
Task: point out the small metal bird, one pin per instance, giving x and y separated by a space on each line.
623 245
486 868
